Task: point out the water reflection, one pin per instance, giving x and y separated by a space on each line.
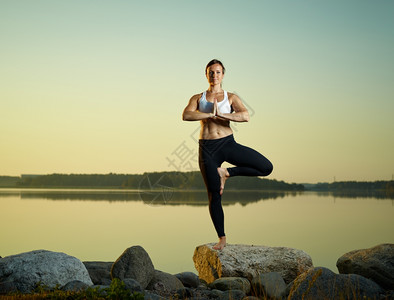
164 197
176 197
376 194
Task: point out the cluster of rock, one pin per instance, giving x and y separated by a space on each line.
236 272
286 273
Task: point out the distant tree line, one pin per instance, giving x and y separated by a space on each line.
354 188
154 180
8 181
355 185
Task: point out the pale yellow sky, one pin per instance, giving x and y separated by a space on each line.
99 86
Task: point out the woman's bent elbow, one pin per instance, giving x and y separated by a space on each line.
186 117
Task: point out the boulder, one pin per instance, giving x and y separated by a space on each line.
134 263
269 285
248 261
188 279
99 272
164 282
322 283
22 272
231 283
376 263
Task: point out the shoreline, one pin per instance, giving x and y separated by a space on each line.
218 282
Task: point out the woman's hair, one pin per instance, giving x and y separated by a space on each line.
212 62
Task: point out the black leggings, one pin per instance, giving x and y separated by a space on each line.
212 153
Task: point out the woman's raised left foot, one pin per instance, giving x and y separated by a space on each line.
223 174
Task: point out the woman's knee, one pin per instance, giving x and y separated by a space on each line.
267 168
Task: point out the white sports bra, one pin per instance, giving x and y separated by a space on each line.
207 107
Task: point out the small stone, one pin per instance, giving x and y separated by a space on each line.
164 282
232 295
231 283
188 279
216 293
152 296
184 293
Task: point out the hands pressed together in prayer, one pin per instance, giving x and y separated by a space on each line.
216 111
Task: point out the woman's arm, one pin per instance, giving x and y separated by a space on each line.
190 113
240 113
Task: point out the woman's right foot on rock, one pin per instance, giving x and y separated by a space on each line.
221 244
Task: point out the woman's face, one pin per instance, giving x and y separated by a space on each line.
215 74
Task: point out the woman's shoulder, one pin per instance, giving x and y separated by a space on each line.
232 97
229 94
197 96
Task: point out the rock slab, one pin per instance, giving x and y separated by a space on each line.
249 261
134 263
22 272
376 263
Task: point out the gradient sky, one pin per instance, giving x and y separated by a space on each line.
99 86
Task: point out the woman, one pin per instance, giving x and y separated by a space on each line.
215 108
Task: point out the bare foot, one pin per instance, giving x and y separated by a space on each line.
223 174
221 244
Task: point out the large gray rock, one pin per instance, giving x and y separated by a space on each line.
322 283
134 263
248 261
23 271
376 263
99 271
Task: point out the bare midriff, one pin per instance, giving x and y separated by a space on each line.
215 129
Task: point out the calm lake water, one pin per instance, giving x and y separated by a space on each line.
98 225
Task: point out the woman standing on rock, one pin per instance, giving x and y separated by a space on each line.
215 108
